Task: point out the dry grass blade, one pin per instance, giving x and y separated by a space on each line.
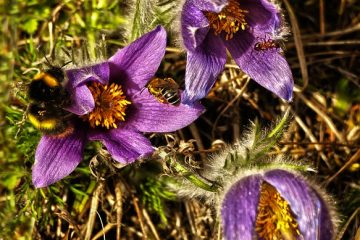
334 33
150 224
323 115
322 17
342 231
333 43
64 214
139 214
242 90
312 138
102 232
93 209
118 194
299 44
196 135
352 160
190 217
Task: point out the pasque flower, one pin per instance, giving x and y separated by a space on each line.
110 105
261 198
275 204
248 29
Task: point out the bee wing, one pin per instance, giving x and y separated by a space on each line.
172 83
163 83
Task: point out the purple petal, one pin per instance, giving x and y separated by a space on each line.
134 65
149 115
209 5
79 76
326 225
194 25
239 208
82 101
312 214
124 145
202 68
263 15
56 158
268 67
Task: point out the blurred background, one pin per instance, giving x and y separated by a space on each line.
133 202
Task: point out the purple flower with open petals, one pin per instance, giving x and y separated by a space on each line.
248 29
275 204
110 105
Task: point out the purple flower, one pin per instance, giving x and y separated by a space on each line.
275 204
112 107
248 29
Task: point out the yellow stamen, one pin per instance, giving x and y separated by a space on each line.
230 20
275 219
110 105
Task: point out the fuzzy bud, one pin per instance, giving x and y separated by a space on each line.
275 204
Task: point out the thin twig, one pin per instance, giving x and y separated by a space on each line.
190 218
333 43
93 209
242 90
118 205
322 17
333 33
312 139
58 228
343 229
352 160
103 231
150 224
299 44
51 39
351 76
196 135
138 212
65 215
327 144
323 60
323 115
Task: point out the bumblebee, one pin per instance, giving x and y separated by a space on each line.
165 90
48 98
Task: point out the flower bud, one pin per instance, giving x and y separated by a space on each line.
275 204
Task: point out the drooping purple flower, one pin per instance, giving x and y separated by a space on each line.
248 29
275 204
111 106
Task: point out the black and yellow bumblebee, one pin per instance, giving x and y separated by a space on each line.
48 98
165 90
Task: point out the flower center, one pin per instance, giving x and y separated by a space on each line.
275 219
230 20
110 105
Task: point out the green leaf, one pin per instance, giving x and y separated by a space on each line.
141 17
154 194
10 181
30 26
165 13
345 96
